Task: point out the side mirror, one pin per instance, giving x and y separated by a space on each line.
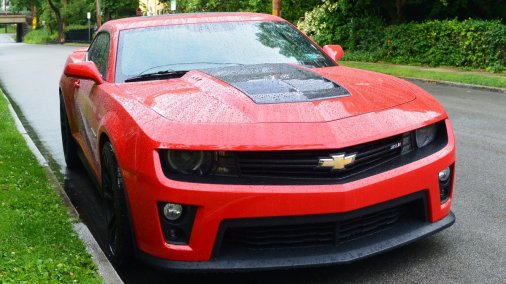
84 70
334 51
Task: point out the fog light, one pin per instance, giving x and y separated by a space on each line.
444 175
172 211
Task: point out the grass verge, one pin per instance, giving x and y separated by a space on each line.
39 36
7 29
37 243
439 74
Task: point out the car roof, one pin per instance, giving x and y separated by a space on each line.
178 19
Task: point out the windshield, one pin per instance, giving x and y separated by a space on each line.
210 45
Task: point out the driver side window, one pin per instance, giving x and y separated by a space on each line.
99 52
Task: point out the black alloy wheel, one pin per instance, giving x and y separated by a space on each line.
119 232
69 143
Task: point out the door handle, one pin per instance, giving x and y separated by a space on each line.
77 84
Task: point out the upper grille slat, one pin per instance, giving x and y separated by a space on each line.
274 166
304 164
312 162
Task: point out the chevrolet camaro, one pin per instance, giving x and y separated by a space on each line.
232 141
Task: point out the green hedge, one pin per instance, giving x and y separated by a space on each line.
40 36
470 43
78 33
338 22
77 27
365 37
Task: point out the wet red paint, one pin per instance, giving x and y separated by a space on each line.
198 111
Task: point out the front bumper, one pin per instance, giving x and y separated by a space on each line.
217 203
366 247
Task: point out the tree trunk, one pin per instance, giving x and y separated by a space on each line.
99 17
56 10
276 8
65 23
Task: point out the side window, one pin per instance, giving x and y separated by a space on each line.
99 52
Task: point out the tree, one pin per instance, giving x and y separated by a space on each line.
113 9
99 13
59 20
293 10
32 5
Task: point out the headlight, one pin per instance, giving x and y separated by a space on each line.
187 161
199 162
425 135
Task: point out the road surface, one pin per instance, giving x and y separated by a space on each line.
471 251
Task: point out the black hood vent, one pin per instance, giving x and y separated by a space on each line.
278 83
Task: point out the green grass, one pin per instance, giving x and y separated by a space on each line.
480 78
10 29
40 36
37 243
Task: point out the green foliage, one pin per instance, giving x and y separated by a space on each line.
439 74
75 12
7 29
292 10
76 27
37 243
196 6
469 43
344 22
365 37
114 9
21 5
40 36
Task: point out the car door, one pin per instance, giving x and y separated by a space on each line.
85 99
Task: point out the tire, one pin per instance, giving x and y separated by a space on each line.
69 143
119 233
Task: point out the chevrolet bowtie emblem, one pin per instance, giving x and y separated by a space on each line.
336 162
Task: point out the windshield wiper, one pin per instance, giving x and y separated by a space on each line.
157 75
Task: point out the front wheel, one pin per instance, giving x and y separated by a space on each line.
68 141
119 233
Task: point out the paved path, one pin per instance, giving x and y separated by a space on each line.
472 251
6 38
30 75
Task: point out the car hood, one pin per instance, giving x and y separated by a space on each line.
276 93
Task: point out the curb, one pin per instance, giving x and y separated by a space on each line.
455 84
105 268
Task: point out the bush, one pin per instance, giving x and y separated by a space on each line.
77 27
469 43
365 37
40 36
346 23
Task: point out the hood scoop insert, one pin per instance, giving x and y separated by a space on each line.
278 83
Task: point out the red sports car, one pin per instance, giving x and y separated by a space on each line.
231 141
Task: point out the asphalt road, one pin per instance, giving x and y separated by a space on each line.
471 251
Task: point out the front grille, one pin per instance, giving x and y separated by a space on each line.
285 236
325 231
304 164
328 233
369 224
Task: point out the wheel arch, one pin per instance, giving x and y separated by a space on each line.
112 130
